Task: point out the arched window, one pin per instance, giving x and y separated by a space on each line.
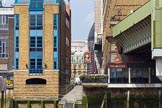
35 81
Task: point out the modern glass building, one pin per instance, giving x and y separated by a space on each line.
42 48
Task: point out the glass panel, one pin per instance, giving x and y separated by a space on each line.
32 41
119 75
40 4
139 75
32 63
39 63
32 20
33 3
39 42
39 19
17 63
17 42
1 19
55 63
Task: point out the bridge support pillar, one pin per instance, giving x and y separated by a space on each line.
157 56
159 68
128 98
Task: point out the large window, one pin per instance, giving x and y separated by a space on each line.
36 22
35 43
36 65
139 75
36 4
119 75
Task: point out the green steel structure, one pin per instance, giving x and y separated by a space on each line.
142 28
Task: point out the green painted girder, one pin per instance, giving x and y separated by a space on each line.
136 36
133 19
154 9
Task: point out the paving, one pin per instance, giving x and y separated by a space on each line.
72 97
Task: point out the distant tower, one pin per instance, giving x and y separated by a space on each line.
0 3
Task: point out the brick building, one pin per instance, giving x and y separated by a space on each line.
42 49
6 42
124 68
113 13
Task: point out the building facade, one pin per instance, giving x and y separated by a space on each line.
113 13
6 42
42 49
78 64
130 68
98 31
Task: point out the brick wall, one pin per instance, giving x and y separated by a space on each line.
23 11
39 91
49 10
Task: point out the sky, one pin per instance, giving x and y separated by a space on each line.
82 17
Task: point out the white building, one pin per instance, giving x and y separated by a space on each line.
78 66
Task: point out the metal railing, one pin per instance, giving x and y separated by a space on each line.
36 71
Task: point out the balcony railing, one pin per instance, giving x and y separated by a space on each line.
36 71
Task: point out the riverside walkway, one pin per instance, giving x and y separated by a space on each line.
75 95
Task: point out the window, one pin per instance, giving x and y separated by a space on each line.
40 4
36 22
35 42
39 42
32 41
32 20
55 63
55 43
39 63
17 44
36 4
119 75
39 19
85 67
55 21
3 19
139 75
79 66
3 48
17 21
35 81
32 63
17 63
35 65
33 3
